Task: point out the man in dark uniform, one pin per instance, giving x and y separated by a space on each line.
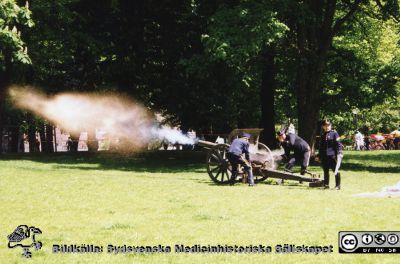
300 148
330 152
239 147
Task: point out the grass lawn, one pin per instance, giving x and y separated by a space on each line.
167 198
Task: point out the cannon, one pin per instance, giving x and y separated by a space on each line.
264 163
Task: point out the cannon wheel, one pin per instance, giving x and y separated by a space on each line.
269 163
218 166
220 170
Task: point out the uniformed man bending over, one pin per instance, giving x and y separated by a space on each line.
239 147
300 148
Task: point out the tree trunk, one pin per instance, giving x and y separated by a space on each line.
43 141
2 119
92 143
21 143
314 36
55 139
131 74
49 139
75 141
305 107
31 133
308 90
314 39
15 136
5 78
313 56
267 95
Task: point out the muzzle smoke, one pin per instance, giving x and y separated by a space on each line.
260 156
119 117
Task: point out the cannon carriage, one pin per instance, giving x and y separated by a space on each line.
264 163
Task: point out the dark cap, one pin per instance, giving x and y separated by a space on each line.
326 122
245 135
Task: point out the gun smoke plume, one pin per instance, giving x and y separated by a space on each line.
77 112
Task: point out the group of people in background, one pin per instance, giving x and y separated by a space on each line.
376 141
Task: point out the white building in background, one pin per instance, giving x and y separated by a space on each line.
61 139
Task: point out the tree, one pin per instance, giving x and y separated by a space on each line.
314 24
361 74
12 48
68 47
246 36
213 66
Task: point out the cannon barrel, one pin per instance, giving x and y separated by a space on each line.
206 144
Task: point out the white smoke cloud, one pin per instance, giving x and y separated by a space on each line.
172 135
278 152
117 116
391 191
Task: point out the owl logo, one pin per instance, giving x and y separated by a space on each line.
25 237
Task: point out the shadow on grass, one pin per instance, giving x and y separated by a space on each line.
187 161
149 161
387 156
348 166
289 184
372 161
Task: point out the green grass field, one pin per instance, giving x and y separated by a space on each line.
167 198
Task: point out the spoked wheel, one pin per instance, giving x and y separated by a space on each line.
264 155
218 166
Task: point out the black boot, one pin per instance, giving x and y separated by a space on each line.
288 168
337 181
233 179
326 181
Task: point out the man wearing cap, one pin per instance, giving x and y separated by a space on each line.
330 153
300 148
239 147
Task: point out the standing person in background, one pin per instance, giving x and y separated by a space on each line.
330 153
396 136
69 144
366 137
358 140
291 129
